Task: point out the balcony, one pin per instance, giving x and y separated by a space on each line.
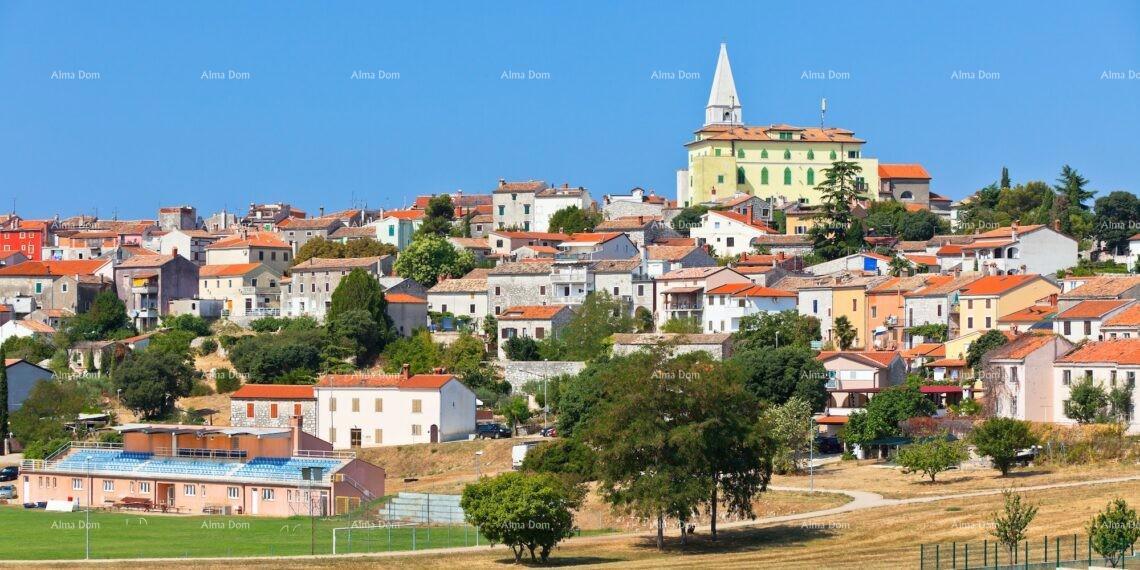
569 276
684 306
258 291
146 313
148 289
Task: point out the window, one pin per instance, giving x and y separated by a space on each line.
852 154
716 152
356 404
541 291
144 487
108 486
939 307
1130 379
392 229
502 210
273 410
1088 328
969 322
787 177
417 429
811 154
787 154
1067 377
763 176
249 410
1068 328
832 155
268 494
815 306
740 175
332 404
730 242
970 304
854 304
63 287
720 179
764 153
261 255
379 436
539 333
906 195
39 287
417 406
526 208
233 492
988 322
988 303
378 405
498 291
640 290
811 177
296 409
1088 375
190 490
77 484
874 312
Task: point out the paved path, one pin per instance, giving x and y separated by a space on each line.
860 501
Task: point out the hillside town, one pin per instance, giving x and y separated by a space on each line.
258 362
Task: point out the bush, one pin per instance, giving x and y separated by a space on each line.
209 346
41 449
110 437
1001 439
565 457
227 341
189 323
201 389
932 457
226 380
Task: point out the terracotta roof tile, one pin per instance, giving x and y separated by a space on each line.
255 239
45 268
227 269
1031 314
404 299
877 358
418 381
1118 351
532 312
1092 308
1129 317
274 392
997 284
1021 346
1104 287
915 171
405 214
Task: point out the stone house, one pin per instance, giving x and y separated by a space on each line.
148 283
537 322
297 231
274 405
309 291
519 283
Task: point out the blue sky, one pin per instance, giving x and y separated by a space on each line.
149 131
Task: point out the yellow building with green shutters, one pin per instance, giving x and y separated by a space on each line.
780 162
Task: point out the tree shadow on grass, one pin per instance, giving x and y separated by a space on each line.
555 560
742 540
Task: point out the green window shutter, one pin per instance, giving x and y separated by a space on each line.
764 153
811 154
716 152
740 175
787 154
740 153
811 177
833 155
720 179
787 177
764 176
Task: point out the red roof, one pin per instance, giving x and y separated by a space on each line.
949 249
404 298
227 269
1118 351
922 259
729 288
931 349
405 214
947 363
1129 317
744 220
888 171
274 392
1093 308
831 420
997 284
255 239
532 312
877 358
419 381
1031 314
59 268
549 236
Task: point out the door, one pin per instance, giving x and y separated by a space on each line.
354 437
170 495
27 489
255 500
434 433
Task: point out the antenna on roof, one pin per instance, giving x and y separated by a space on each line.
822 110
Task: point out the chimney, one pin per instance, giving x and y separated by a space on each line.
295 426
322 211
749 213
406 371
174 251
1013 229
641 219
502 182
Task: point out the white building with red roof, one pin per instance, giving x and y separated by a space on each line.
1012 250
728 232
1109 364
396 227
533 321
727 304
681 293
374 410
274 405
251 247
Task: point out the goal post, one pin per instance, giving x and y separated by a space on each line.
370 533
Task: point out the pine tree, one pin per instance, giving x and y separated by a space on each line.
837 232
3 395
1004 177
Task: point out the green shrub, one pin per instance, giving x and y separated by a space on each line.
201 389
209 346
227 380
566 457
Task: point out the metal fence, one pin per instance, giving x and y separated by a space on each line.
1045 552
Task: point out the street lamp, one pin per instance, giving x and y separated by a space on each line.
477 454
90 492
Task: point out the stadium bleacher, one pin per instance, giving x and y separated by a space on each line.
260 468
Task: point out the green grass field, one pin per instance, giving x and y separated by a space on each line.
39 535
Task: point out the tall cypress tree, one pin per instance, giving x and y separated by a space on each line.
3 395
1004 177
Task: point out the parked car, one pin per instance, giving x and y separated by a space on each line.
492 431
549 432
828 444
7 491
10 473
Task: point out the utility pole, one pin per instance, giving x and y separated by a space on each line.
87 525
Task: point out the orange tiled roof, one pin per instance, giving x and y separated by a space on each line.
997 284
405 214
274 392
947 363
254 239
744 220
1031 314
1129 317
532 312
57 268
226 269
1021 346
1118 351
404 298
922 259
876 358
418 381
758 291
903 171
1092 308
931 349
730 288
760 133
549 236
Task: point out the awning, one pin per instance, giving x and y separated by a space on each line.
831 420
683 290
940 389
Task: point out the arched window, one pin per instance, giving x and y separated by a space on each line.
787 177
764 176
764 153
740 153
906 195
833 155
787 154
811 177
811 154
740 175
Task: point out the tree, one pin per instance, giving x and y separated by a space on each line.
188 323
107 315
430 257
1113 531
1115 216
573 219
290 355
418 351
837 232
776 375
979 348
688 218
464 358
643 320
359 291
1074 189
930 332
1120 403
151 381
775 330
566 457
34 349
1010 525
319 247
1004 177
587 335
4 427
1087 402
1001 439
932 457
42 419
844 332
358 333
579 397
885 411
515 410
522 348
680 325
790 425
891 218
438 216
900 265
524 511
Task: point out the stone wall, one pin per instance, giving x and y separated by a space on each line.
261 416
519 373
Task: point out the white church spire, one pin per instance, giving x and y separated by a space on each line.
724 105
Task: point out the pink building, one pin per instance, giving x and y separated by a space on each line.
206 469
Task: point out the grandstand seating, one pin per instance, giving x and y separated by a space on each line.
284 468
102 460
423 508
260 468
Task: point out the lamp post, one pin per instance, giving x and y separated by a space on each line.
477 454
811 454
777 339
87 524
